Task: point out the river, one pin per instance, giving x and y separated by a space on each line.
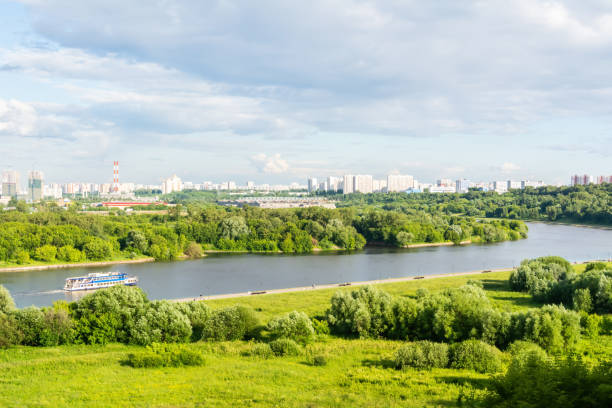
231 273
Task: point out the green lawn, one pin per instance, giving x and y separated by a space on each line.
358 373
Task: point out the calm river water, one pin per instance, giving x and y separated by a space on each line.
223 273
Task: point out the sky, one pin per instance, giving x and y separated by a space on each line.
276 91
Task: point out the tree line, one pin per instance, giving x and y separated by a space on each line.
55 235
589 204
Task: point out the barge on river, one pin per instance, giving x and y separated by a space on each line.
99 280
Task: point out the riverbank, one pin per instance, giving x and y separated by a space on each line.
74 265
337 285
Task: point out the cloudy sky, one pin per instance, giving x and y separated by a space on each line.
278 90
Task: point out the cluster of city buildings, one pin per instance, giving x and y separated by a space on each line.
585 179
365 183
37 189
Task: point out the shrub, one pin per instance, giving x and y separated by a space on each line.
595 266
45 253
525 352
9 332
70 254
551 327
475 355
232 323
365 312
321 327
422 355
259 350
165 355
319 360
285 347
591 324
97 249
58 327
22 256
475 282
294 325
582 300
537 276
536 382
108 315
194 250
6 301
160 322
30 323
198 314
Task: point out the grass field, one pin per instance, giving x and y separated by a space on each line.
358 373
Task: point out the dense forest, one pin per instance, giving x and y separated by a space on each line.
588 204
56 235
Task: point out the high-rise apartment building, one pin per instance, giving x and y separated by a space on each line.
399 182
348 185
333 183
35 185
10 183
363 183
511 184
171 184
313 184
463 186
444 183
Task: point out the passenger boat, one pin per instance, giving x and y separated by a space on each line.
99 281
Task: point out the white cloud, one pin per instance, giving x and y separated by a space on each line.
273 164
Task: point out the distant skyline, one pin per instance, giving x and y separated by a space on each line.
279 91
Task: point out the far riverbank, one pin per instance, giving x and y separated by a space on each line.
74 265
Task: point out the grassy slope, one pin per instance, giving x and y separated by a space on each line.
358 372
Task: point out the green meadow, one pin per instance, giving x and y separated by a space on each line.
358 373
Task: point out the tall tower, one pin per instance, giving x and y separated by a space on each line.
115 188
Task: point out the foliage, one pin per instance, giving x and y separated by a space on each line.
422 355
194 250
6 301
294 325
259 350
108 315
9 331
365 312
535 382
160 322
285 347
232 323
551 280
165 355
475 355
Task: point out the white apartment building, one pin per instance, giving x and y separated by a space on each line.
363 183
399 182
500 186
313 184
534 184
348 185
171 184
333 183
513 185
442 189
445 183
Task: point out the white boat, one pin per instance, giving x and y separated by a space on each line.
99 280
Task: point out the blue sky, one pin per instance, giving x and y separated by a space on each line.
276 91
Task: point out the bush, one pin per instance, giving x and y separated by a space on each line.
30 323
422 355
582 300
285 347
232 323
321 327
319 360
165 355
365 312
58 327
6 301
551 327
525 352
9 332
194 250
70 254
595 266
551 383
160 322
294 325
97 249
22 256
198 314
45 253
259 350
108 315
475 355
591 324
537 276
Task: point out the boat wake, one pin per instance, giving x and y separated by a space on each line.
43 292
